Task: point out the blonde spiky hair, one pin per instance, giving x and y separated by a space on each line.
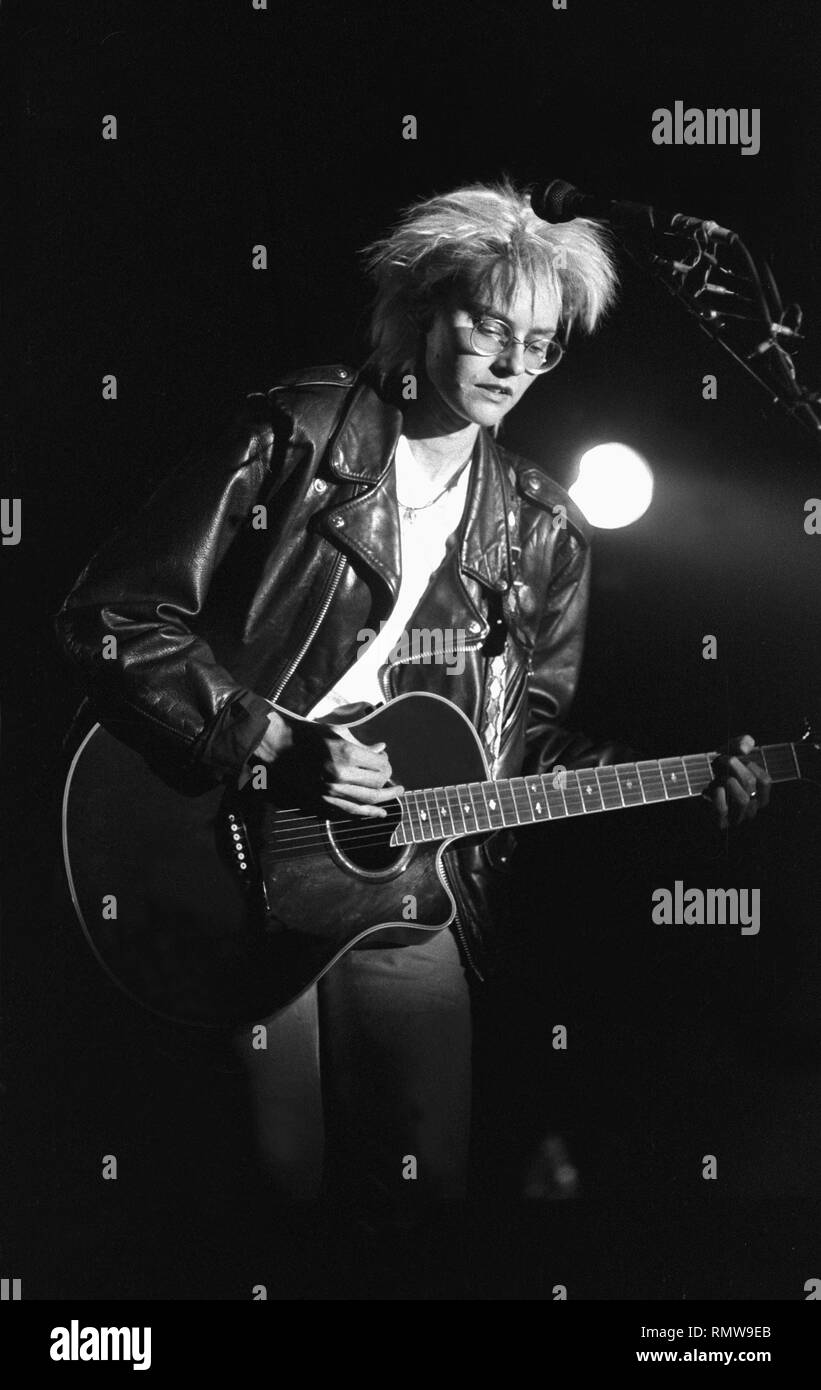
485 237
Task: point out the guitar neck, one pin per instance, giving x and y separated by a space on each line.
437 813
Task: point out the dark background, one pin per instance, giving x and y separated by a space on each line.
133 257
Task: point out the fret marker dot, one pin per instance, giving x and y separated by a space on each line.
629 784
424 815
587 791
467 809
538 808
492 805
673 776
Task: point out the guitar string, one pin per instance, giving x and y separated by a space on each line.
494 784
314 831
360 836
294 840
351 833
342 830
293 816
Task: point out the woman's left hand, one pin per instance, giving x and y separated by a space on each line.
738 789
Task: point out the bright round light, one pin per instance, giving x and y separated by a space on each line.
614 486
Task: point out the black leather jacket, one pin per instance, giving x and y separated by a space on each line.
216 604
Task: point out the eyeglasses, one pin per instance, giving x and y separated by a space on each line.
489 337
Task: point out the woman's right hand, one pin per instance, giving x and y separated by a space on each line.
340 772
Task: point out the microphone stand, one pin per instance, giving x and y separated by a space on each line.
747 309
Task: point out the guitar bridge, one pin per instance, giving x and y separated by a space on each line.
238 848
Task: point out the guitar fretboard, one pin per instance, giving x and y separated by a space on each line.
437 813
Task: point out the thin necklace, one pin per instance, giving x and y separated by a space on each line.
409 513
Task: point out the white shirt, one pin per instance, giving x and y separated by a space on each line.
423 542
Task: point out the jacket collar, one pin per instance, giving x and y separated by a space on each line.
368 522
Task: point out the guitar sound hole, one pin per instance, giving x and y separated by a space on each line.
365 843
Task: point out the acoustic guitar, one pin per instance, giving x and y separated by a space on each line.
213 906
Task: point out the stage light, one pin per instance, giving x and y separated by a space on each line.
614 486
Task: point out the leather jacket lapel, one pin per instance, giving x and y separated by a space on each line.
368 522
486 552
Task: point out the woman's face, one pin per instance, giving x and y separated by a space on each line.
469 388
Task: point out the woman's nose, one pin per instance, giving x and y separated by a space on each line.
512 358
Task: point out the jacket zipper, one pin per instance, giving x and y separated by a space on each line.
460 931
384 674
333 584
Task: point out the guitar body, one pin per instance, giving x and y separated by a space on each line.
214 907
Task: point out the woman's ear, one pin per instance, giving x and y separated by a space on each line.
423 314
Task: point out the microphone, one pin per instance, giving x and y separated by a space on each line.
559 201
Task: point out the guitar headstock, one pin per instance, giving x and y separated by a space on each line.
808 752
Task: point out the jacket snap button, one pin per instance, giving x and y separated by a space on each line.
340 371
320 485
527 598
475 627
338 520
